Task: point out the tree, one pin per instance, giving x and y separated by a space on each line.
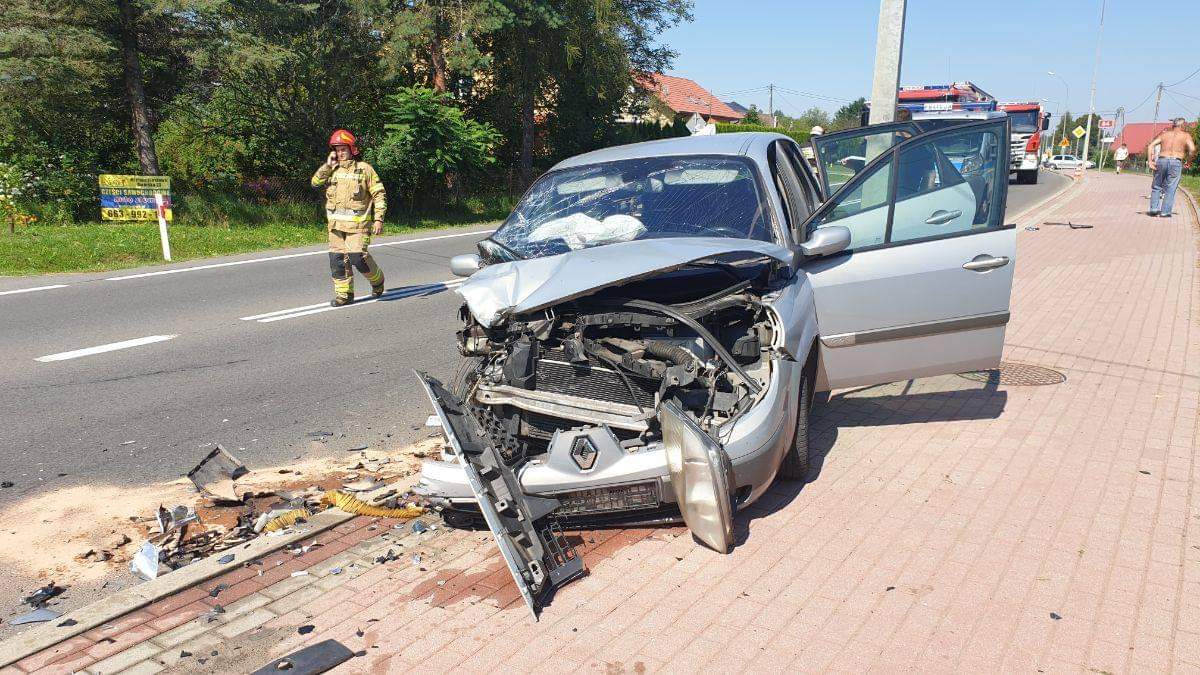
849 116
752 116
425 138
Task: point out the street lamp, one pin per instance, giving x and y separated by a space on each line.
1066 101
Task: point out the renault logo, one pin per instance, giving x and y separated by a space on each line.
583 452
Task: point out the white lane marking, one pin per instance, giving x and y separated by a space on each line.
35 288
394 294
195 268
112 347
264 315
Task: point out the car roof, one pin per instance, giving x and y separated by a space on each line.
752 143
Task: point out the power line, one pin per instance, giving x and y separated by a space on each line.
1194 72
799 92
1152 91
1180 93
1178 103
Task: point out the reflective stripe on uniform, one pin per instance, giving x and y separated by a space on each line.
351 215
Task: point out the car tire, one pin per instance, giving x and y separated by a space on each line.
796 462
1027 177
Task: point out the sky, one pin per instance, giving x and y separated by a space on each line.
1006 48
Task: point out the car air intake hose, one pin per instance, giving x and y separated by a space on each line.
669 352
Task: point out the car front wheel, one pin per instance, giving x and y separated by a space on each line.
795 462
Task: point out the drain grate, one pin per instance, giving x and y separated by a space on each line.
1016 375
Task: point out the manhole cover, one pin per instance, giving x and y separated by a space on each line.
1016 375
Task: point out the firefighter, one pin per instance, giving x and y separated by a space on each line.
355 204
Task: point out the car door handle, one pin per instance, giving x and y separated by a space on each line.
941 217
982 263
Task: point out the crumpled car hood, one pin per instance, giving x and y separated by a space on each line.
505 289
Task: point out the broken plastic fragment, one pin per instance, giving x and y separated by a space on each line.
145 562
36 616
227 558
214 476
419 526
336 570
300 573
44 594
305 629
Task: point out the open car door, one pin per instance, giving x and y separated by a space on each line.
841 155
923 288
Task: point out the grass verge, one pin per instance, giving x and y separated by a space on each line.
97 246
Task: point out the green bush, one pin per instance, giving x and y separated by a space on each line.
427 139
730 128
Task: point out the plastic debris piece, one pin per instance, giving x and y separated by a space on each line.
1055 615
419 526
38 615
227 558
67 623
214 476
351 504
300 573
433 421
336 570
217 590
184 654
145 562
318 658
306 629
356 448
416 559
44 594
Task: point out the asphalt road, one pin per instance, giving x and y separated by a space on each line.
237 368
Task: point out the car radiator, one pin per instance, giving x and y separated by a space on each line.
594 380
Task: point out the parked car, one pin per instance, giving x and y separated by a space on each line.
1068 162
643 336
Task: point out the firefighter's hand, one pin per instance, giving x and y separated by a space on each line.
331 161
377 228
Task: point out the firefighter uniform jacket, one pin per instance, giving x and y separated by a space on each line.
353 193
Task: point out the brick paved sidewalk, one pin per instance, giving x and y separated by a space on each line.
951 525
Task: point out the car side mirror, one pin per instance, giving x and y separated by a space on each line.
826 240
465 265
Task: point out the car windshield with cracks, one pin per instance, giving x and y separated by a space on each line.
626 200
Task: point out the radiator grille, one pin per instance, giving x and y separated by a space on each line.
556 375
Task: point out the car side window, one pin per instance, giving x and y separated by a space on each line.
798 202
864 209
947 185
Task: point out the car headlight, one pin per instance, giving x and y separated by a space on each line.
701 475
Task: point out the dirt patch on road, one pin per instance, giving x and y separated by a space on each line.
50 536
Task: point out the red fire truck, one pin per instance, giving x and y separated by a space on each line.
1027 122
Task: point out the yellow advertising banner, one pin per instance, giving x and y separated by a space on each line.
132 197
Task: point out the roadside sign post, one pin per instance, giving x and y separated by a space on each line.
138 198
161 210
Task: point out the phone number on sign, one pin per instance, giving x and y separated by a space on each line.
130 214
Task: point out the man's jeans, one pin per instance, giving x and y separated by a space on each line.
1167 172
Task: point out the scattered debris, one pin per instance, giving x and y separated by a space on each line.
227 558
1142 471
388 557
1073 226
890 588
1055 615
419 526
214 476
6 484
283 521
176 518
183 654
67 623
45 594
416 559
306 629
364 485
358 633
356 448
318 658
39 615
300 573
336 570
145 562
217 590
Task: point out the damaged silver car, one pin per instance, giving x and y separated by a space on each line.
643 336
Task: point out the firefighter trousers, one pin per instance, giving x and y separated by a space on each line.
348 252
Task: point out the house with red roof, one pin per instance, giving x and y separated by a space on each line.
1137 135
680 98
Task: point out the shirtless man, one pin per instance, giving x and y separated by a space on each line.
1175 147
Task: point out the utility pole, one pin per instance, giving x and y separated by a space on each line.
1063 109
771 102
889 45
1087 139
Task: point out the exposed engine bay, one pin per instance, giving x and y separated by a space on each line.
611 362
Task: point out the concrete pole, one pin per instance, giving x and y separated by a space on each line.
889 44
771 102
1087 138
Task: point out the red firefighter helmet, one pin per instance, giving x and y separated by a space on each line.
343 137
